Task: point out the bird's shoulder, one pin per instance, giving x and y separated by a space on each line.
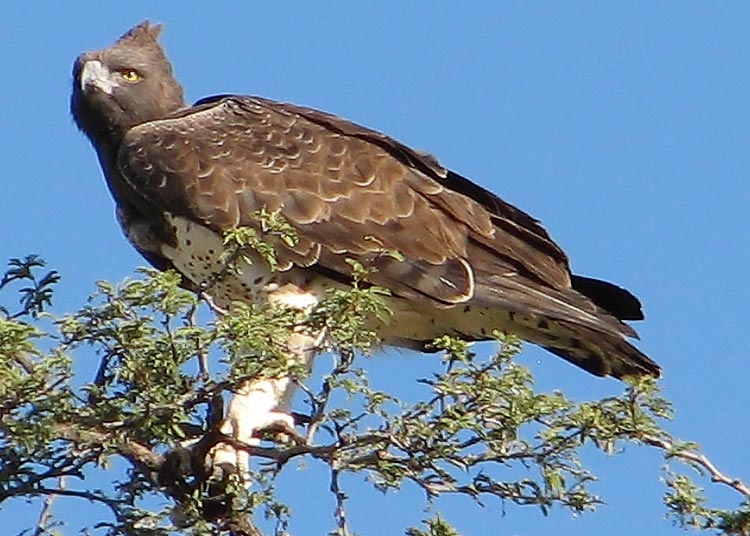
244 119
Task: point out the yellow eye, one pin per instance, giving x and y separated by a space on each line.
130 75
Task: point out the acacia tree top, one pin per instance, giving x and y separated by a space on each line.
149 403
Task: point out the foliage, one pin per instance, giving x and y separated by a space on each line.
248 243
163 365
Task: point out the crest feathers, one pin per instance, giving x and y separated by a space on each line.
143 34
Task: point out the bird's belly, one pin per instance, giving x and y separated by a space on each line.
200 256
414 326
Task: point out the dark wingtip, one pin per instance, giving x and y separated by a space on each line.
613 299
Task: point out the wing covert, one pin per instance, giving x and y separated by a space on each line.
350 192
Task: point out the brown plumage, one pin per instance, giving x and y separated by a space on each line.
184 175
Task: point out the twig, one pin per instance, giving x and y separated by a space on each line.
702 460
320 402
340 513
25 363
206 285
46 514
112 504
212 305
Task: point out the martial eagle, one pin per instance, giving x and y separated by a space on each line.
468 263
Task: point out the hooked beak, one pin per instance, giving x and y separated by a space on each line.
95 75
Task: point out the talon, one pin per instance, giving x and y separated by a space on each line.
300 418
282 431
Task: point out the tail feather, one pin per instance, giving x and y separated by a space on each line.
571 323
615 300
583 325
602 354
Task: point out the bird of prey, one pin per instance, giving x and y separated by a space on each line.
468 263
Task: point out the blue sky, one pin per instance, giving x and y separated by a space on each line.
623 127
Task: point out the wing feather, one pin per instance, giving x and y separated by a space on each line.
349 192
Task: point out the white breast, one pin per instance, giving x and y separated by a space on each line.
198 255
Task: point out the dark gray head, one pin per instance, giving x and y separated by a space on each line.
124 85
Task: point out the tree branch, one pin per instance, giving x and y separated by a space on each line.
674 451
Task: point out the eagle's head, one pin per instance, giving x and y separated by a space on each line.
124 85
